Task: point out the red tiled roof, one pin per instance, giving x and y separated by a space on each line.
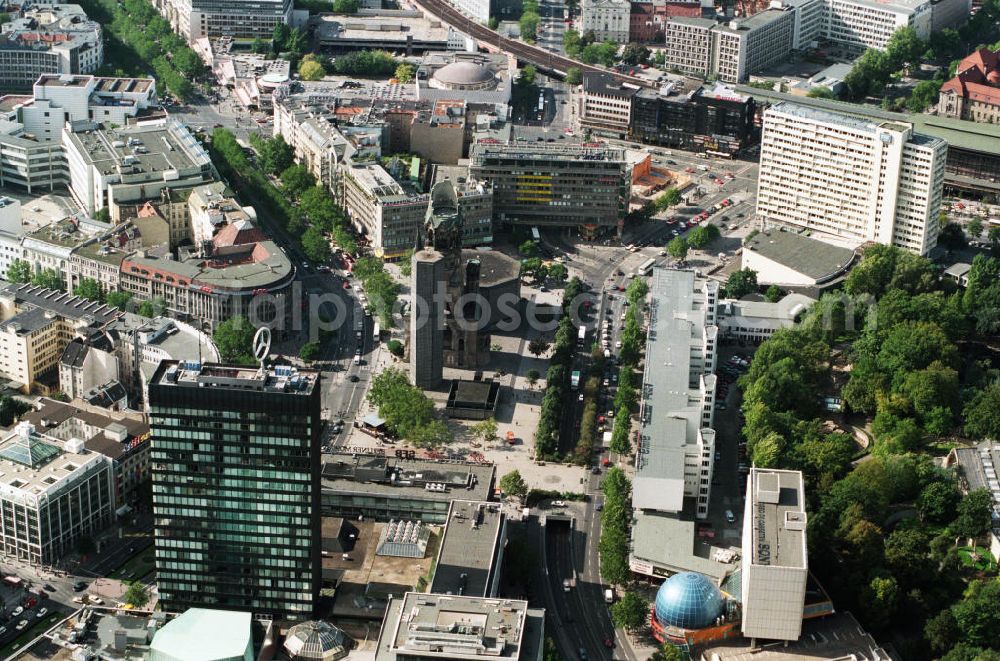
237 234
974 76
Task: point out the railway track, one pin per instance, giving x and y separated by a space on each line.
527 53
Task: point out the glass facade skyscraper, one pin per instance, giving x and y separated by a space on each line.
236 484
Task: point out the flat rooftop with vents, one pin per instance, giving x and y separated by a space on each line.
469 559
138 153
33 464
778 518
433 626
384 488
190 374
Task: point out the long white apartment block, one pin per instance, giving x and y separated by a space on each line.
676 439
849 179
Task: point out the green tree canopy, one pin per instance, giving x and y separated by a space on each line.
978 614
406 409
118 299
234 338
404 73
630 612
366 63
740 283
19 271
315 245
136 594
311 70
937 502
296 179
485 430
89 289
513 485
678 248
48 278
974 514
309 351
701 236
982 415
275 154
11 409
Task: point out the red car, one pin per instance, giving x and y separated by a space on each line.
689 169
347 285
719 182
609 643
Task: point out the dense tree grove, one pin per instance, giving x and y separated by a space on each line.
892 340
366 63
408 412
615 520
141 41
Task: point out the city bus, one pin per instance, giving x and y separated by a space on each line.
646 267
376 332
581 336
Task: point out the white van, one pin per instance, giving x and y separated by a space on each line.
730 517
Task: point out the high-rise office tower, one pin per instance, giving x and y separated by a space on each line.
854 179
236 484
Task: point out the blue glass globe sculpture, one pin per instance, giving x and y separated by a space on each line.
688 601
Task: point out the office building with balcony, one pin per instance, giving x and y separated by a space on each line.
109 167
730 51
605 105
195 19
36 325
775 562
53 493
689 44
861 24
676 439
31 126
747 46
236 487
48 39
237 273
715 119
122 436
425 627
548 185
849 179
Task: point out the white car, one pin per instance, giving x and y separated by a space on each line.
21 625
42 612
17 611
558 503
96 600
